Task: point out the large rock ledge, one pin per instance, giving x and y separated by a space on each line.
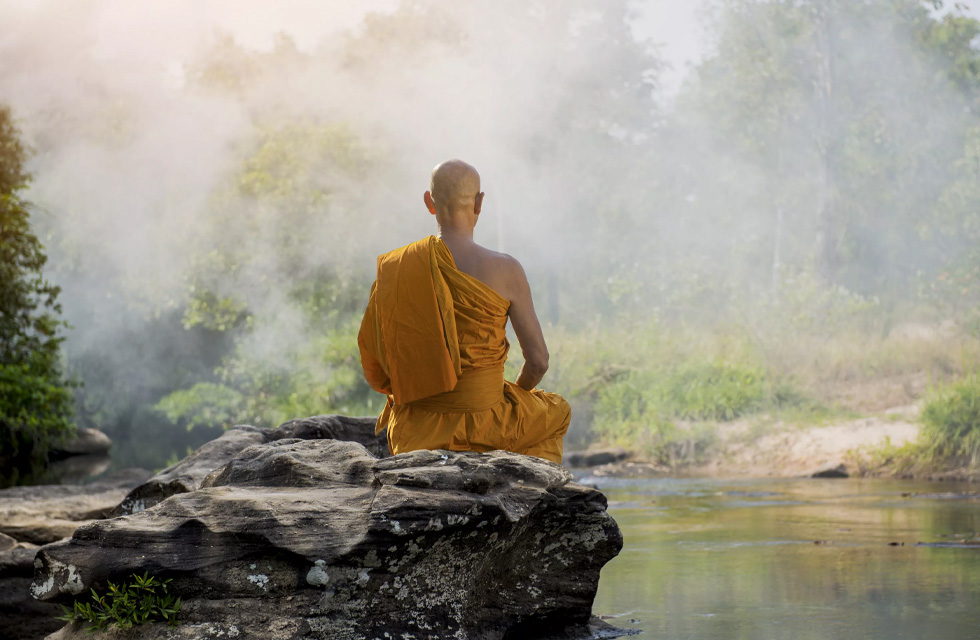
321 539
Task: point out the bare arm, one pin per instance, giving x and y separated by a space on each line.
526 326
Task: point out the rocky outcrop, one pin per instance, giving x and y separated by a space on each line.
321 539
189 473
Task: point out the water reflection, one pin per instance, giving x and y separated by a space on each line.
71 470
793 559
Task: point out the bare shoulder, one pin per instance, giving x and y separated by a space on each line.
505 274
506 265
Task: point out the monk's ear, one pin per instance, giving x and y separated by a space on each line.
478 205
429 203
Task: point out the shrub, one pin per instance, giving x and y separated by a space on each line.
140 600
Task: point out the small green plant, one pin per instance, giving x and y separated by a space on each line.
140 600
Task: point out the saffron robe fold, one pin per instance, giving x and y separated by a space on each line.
433 339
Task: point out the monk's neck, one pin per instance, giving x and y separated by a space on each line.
452 235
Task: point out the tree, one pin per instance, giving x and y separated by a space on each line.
848 114
35 400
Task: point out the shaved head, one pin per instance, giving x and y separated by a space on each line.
455 186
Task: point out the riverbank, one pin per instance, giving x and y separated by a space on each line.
771 447
774 448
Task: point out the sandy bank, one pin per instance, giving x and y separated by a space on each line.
788 450
758 447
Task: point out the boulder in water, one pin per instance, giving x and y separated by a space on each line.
595 457
84 442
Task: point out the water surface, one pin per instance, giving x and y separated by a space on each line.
803 559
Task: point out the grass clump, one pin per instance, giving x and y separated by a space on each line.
140 600
951 418
712 390
670 412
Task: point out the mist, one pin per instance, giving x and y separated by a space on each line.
213 180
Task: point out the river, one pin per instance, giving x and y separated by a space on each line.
793 559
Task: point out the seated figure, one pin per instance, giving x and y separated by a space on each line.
433 338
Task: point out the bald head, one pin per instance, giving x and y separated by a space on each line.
455 186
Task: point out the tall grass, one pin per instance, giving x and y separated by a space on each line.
951 418
665 411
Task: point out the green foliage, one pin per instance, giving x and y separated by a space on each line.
140 600
643 407
12 154
321 376
804 305
952 422
713 390
260 257
35 404
203 405
689 391
205 309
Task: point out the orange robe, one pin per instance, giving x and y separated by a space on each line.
433 340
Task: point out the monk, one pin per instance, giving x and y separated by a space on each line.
433 338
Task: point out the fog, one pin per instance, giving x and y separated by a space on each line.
226 151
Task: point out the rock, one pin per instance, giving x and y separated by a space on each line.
189 473
6 542
595 457
828 471
85 442
630 469
336 427
45 513
320 539
18 561
21 616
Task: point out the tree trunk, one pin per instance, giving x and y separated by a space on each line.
776 259
828 230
